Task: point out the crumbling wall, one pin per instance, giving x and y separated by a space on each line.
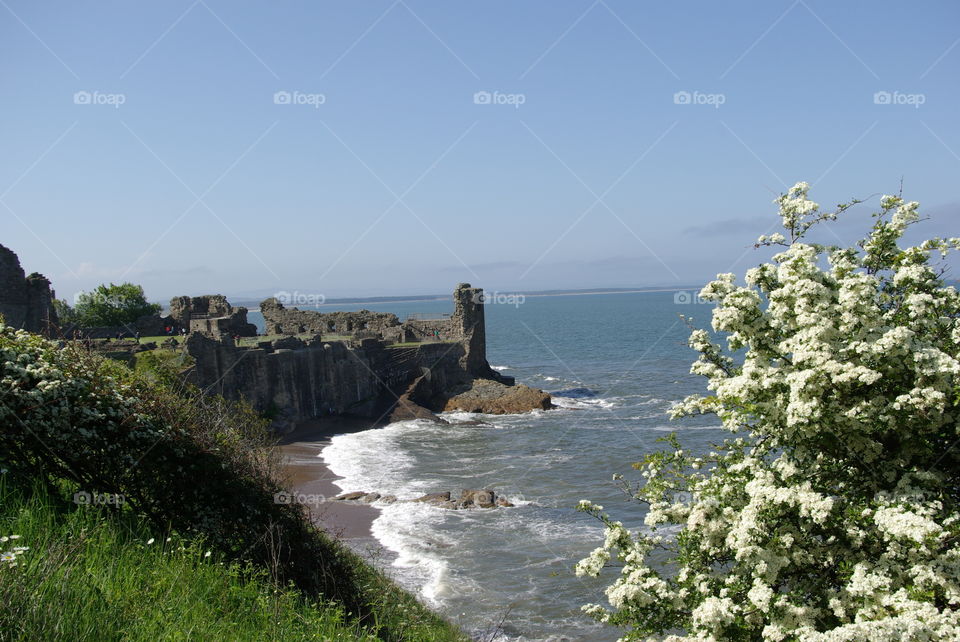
210 314
25 301
469 326
280 320
303 380
311 378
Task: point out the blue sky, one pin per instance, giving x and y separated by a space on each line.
386 173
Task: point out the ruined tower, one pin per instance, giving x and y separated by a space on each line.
25 301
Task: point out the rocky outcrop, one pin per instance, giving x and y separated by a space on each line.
485 498
406 407
25 301
494 398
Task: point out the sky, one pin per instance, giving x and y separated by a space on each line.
393 147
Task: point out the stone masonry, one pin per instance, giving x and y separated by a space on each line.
211 315
25 301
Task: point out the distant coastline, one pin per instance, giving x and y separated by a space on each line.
333 302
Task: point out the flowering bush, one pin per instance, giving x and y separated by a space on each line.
194 464
832 512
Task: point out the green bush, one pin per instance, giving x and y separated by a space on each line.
194 465
112 305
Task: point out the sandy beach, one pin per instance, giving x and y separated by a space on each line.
312 483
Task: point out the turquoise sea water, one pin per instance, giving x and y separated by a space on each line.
614 364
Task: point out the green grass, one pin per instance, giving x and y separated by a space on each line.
252 341
90 574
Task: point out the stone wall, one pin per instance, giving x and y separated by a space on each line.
303 379
210 314
281 320
309 378
25 301
313 378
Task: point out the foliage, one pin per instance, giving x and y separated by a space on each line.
832 513
65 314
190 464
163 365
112 305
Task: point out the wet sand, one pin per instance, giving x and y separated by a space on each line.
311 481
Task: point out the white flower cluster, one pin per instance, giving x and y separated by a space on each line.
9 558
834 514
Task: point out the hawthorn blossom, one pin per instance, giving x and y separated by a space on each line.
832 513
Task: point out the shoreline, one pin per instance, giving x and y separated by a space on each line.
312 483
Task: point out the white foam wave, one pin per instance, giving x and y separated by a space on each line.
570 402
501 368
410 531
374 461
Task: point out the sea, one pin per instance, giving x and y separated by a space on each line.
614 363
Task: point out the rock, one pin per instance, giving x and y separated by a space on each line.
478 499
492 397
448 505
144 347
504 503
407 409
370 498
349 497
434 498
388 499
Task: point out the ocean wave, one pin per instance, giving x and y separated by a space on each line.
410 531
567 402
374 461
501 368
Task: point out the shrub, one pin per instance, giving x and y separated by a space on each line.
112 305
195 465
832 514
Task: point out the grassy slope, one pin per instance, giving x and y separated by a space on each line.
90 574
97 573
192 468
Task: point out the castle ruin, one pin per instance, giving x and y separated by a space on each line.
26 302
